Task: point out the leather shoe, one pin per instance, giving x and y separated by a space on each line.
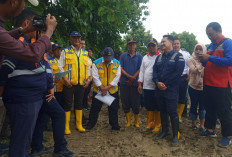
44 150
63 153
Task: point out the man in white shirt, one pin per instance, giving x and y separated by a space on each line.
145 81
106 73
184 83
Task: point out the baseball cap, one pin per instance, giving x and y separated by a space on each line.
55 46
108 53
75 33
34 2
153 41
131 40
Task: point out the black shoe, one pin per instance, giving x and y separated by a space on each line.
44 150
89 127
163 134
63 153
116 127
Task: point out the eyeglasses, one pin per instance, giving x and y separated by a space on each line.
151 45
76 37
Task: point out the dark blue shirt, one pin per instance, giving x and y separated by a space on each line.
168 70
131 65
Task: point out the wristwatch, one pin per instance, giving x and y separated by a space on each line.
20 31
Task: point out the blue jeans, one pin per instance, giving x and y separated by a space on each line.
196 97
54 110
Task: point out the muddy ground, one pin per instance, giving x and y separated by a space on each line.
101 141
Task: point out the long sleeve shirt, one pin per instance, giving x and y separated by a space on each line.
186 56
10 46
96 79
146 72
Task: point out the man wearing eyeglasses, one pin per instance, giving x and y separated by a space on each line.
76 59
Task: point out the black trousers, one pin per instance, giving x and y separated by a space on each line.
112 110
183 87
78 92
85 98
217 103
151 100
55 111
130 98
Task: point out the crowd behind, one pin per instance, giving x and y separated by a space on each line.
165 78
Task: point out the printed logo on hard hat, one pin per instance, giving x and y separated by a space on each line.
109 53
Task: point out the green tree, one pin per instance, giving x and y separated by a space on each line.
141 35
101 22
187 40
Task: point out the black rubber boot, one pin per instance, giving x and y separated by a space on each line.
164 124
175 130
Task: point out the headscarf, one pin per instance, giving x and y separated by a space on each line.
194 55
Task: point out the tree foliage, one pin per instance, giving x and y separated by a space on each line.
187 40
101 22
141 36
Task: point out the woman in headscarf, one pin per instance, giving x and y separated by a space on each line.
196 73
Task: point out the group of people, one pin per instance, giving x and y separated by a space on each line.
165 76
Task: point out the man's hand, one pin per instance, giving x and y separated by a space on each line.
203 57
103 90
51 25
67 82
86 84
140 89
130 80
161 86
50 96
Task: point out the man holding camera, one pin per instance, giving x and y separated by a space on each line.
9 44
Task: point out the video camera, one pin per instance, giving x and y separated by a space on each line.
39 22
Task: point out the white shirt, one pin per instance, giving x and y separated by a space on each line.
146 72
186 56
96 79
77 52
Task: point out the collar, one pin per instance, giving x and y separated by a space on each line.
222 37
75 48
170 53
129 54
157 53
110 62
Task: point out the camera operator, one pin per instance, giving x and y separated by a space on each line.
10 46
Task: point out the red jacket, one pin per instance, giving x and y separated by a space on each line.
214 74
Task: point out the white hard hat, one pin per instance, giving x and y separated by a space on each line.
34 2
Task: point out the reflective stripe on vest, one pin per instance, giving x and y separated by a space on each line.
171 60
27 72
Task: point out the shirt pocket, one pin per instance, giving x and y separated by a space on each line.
101 73
70 58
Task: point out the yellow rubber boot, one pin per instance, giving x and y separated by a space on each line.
128 118
136 120
67 120
150 119
157 121
79 121
180 110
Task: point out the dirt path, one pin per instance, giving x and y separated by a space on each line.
101 141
